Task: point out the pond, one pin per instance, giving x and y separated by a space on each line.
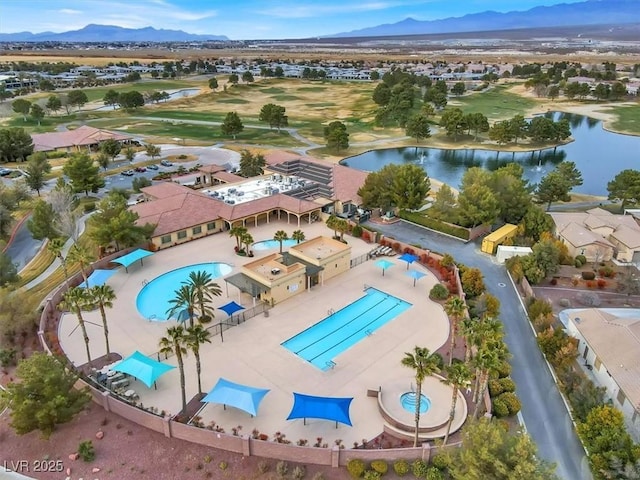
598 154
185 92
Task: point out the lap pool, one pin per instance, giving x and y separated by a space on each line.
269 244
153 299
322 342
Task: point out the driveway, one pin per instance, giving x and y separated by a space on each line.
544 413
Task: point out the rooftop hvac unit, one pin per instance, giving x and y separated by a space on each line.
275 271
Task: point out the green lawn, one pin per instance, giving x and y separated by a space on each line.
495 103
98 93
186 115
272 90
628 120
48 124
237 101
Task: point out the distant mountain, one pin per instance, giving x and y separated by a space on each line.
590 12
109 33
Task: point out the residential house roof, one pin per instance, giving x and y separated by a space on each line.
579 236
577 227
81 136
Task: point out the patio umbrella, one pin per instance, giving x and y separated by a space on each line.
384 264
145 369
98 277
416 275
409 258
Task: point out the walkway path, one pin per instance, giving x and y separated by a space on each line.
544 412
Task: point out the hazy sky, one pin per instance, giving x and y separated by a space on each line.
240 19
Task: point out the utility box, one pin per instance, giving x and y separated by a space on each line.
490 242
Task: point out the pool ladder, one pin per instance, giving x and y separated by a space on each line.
330 312
331 364
144 282
368 333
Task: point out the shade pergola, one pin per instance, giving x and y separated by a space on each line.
384 264
98 277
131 257
145 369
231 308
244 397
416 275
326 408
409 258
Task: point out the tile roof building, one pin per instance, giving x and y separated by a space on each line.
82 138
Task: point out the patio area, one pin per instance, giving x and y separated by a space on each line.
251 353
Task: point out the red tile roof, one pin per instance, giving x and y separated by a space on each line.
81 136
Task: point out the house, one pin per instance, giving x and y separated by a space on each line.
599 235
609 344
82 138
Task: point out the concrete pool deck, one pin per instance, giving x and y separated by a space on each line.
251 352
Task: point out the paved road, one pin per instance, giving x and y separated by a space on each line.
23 247
543 410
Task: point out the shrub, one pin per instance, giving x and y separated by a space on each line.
372 475
440 461
554 281
380 466
263 467
435 224
86 451
434 474
401 467
356 467
577 263
495 388
439 292
606 272
318 476
298 472
504 369
588 275
508 385
602 283
89 207
357 231
591 284
582 259
419 468
511 401
447 261
282 468
500 409
538 308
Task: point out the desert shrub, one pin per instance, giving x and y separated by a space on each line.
508 385
601 283
503 370
298 472
440 461
401 467
538 307
577 263
439 292
500 409
590 284
588 299
588 275
511 401
434 474
419 468
372 475
357 231
380 466
318 476
86 451
607 272
263 467
495 388
282 468
582 259
356 467
554 281
447 261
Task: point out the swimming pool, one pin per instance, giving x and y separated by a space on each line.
322 342
269 244
153 300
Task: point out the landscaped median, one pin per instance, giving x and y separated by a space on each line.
435 224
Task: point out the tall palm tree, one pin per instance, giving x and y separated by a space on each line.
247 240
80 255
332 223
342 226
175 342
204 288
458 376
280 236
184 299
488 359
196 336
55 246
103 296
424 363
469 330
74 300
237 232
298 236
455 308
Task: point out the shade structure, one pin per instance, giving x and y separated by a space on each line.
409 258
231 308
145 369
132 257
98 277
416 275
384 264
326 408
244 397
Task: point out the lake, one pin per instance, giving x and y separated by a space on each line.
597 153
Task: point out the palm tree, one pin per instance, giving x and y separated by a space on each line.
204 288
469 328
280 236
422 361
455 308
332 223
237 232
298 236
74 300
342 226
488 358
175 342
80 255
103 296
196 336
184 299
247 240
458 376
55 246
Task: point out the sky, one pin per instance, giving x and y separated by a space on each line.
240 19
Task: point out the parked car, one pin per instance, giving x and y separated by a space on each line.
152 167
4 172
141 169
128 173
166 163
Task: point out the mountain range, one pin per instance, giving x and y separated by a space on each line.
590 12
109 33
